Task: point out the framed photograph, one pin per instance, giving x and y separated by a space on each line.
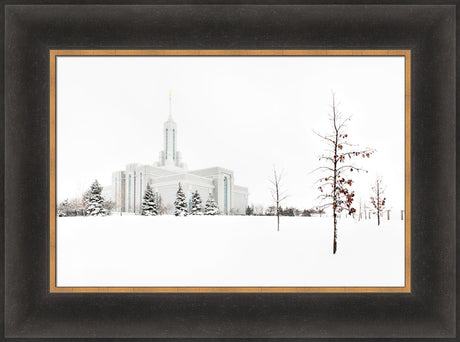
170 227
233 171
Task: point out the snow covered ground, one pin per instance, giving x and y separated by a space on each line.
227 251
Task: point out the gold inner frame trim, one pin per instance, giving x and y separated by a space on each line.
52 164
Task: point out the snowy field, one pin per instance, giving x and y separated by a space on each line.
227 251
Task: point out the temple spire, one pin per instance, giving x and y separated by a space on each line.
170 138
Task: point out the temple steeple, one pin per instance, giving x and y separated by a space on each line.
169 156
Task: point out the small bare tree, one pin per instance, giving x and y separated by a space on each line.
360 210
278 195
335 184
378 198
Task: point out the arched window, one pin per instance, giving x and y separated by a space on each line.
174 144
166 150
225 195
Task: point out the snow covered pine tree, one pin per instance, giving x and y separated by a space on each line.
180 204
149 204
211 207
63 208
196 204
94 200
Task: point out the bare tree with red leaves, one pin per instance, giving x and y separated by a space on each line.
378 198
335 184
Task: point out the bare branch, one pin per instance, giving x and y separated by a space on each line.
343 123
349 167
324 137
323 168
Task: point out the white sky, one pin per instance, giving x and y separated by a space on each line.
241 113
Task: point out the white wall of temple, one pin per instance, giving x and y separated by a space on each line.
141 185
240 203
202 190
223 194
179 163
161 158
144 174
160 171
129 193
183 177
168 192
211 171
107 193
219 175
118 190
130 182
135 183
128 187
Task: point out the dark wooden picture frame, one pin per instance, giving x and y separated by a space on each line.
31 30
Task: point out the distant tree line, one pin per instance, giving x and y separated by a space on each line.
286 211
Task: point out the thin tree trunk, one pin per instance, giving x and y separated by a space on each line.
378 204
334 202
277 201
334 247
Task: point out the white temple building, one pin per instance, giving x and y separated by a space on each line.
164 176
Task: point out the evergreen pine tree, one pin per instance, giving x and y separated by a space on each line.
149 204
211 207
180 203
63 208
94 200
196 204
